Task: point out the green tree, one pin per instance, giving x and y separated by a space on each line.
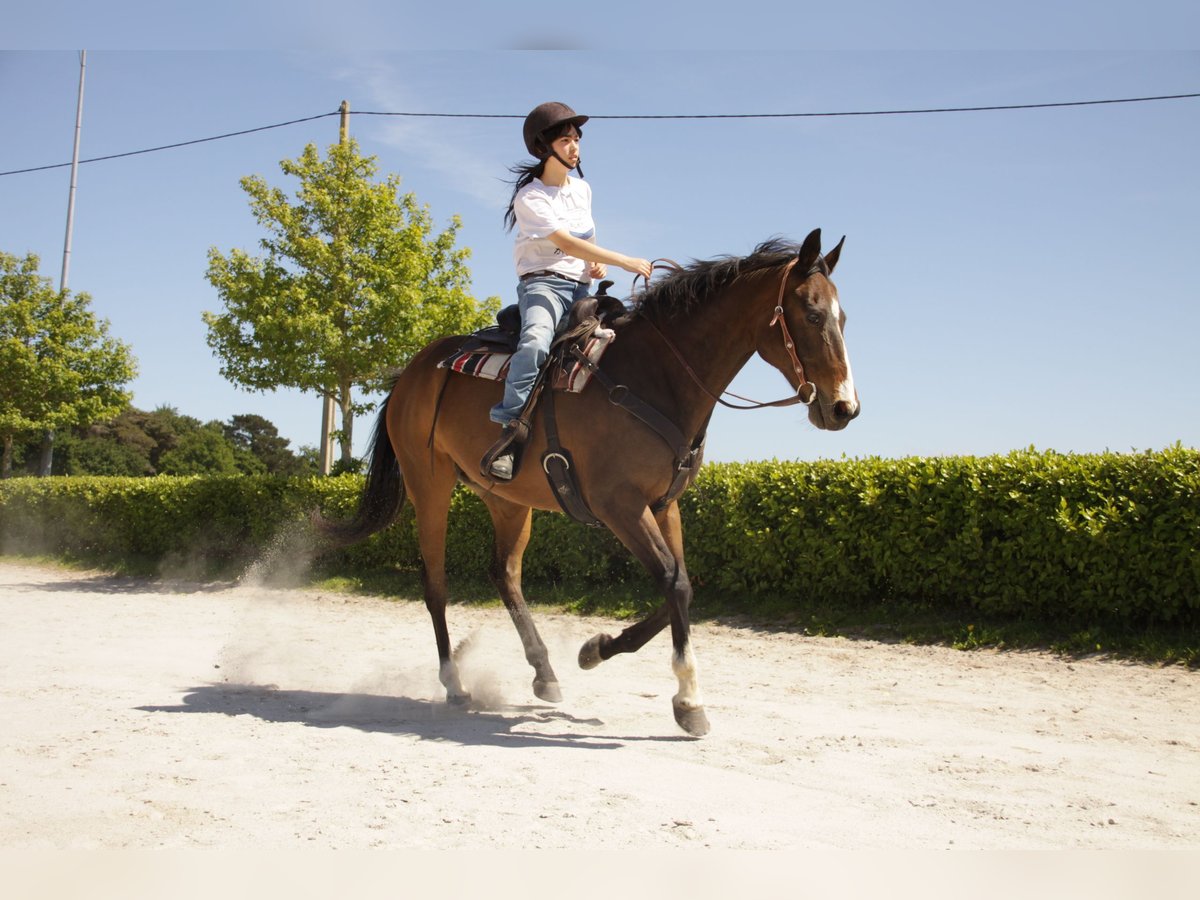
204 451
93 455
258 439
166 427
135 443
352 284
59 368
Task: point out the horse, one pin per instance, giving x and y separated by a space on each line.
685 338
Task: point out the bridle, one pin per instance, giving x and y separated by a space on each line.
806 391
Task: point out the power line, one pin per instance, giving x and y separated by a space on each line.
803 115
217 137
674 116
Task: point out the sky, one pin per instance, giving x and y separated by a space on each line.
1012 279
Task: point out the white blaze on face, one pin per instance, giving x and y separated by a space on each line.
845 390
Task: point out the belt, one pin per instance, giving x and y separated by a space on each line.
547 273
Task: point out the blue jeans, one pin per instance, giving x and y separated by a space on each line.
544 302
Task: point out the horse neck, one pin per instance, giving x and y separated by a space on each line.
724 329
717 338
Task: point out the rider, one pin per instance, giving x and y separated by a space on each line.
556 254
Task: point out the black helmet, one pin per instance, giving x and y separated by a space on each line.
544 118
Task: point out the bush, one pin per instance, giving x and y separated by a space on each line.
1042 535
1035 535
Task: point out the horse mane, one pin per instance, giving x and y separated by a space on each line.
680 292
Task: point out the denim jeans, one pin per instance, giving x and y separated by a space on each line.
544 302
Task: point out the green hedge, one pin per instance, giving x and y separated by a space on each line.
1042 535
1035 534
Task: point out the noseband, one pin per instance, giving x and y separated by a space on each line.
806 391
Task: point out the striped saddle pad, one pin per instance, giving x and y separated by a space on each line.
492 363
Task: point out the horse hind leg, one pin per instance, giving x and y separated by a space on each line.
512 525
431 504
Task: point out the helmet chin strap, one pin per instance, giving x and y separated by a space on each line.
566 165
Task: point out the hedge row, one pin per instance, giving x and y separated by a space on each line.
1041 535
1037 534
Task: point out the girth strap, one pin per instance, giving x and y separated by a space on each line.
559 468
688 457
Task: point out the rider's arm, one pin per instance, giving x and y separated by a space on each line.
586 250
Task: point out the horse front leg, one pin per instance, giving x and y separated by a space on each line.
657 542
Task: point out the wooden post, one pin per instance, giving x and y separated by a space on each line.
327 416
46 463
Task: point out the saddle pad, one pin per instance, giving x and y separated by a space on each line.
480 362
493 365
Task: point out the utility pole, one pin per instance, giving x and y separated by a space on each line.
47 460
327 402
66 265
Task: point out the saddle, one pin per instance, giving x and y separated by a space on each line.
582 338
572 361
486 353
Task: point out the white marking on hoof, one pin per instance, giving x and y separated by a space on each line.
455 692
688 673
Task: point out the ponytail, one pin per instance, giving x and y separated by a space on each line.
525 173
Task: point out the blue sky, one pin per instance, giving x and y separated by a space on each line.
1011 278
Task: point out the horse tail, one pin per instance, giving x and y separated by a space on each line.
383 494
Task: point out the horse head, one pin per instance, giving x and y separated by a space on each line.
805 339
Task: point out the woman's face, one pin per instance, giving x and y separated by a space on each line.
566 145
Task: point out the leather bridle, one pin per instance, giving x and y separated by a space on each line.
806 391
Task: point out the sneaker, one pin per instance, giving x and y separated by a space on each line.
502 467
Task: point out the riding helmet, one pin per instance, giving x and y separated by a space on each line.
542 119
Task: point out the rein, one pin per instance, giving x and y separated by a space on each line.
806 392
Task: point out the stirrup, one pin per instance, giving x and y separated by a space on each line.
513 436
502 467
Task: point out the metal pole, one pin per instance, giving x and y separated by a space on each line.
46 463
327 418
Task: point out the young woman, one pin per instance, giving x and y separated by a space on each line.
556 254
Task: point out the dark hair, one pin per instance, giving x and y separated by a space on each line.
524 173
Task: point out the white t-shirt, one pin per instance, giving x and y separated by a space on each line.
542 210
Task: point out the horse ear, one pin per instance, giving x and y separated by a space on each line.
810 251
831 258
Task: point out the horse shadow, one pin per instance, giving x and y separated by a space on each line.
424 719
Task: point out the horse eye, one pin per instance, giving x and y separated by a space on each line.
814 318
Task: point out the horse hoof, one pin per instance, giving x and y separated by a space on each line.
462 699
691 718
589 653
547 690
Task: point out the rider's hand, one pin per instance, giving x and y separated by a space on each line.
597 270
638 266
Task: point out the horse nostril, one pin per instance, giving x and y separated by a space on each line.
845 411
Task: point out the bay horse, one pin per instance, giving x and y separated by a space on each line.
687 336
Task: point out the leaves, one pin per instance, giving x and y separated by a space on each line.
352 283
1042 537
59 367
1033 534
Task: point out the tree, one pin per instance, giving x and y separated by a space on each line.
352 284
59 368
257 439
204 451
138 443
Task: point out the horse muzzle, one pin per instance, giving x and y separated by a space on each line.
833 416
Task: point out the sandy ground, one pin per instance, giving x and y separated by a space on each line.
146 714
